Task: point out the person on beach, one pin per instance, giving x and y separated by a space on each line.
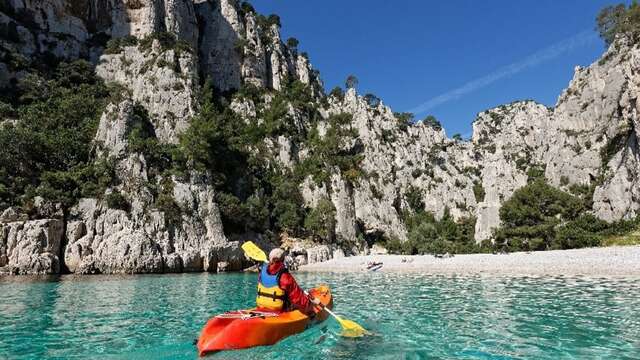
278 290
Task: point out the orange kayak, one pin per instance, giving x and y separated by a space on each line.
248 328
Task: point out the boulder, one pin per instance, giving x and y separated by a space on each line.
377 249
300 260
31 247
223 266
12 214
45 209
318 253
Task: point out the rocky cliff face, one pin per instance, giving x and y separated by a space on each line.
589 138
211 40
167 49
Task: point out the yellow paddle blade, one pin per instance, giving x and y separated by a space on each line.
254 252
351 328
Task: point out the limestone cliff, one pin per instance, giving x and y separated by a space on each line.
162 53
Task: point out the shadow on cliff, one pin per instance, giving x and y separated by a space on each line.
218 47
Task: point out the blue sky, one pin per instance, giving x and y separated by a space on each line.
450 58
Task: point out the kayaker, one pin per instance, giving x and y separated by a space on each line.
278 290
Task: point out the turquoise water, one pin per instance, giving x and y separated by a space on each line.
411 317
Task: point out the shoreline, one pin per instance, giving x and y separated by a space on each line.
605 261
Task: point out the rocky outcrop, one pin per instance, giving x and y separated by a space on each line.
589 139
342 198
617 197
302 252
163 80
103 240
176 230
31 247
72 29
234 48
219 43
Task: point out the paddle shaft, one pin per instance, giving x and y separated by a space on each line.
330 312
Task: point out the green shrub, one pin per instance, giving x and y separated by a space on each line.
267 21
240 45
287 204
293 43
536 172
141 138
247 8
67 186
405 120
250 92
48 150
372 100
234 215
167 41
116 45
396 246
6 110
618 19
257 210
538 202
478 191
337 92
585 231
277 120
431 121
331 151
613 146
214 142
116 200
540 217
166 203
321 220
426 235
351 82
413 195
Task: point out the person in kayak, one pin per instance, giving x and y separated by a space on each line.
278 290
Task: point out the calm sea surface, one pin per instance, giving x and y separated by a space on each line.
410 316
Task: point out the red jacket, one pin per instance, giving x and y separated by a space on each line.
294 293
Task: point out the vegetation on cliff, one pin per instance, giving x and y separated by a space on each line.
541 217
617 20
255 192
50 117
45 145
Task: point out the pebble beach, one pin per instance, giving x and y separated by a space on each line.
607 261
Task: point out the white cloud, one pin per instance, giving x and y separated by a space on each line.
532 60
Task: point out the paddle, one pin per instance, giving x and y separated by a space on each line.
254 252
349 328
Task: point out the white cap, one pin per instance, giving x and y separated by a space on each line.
276 254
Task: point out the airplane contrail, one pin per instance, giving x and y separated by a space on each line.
581 39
